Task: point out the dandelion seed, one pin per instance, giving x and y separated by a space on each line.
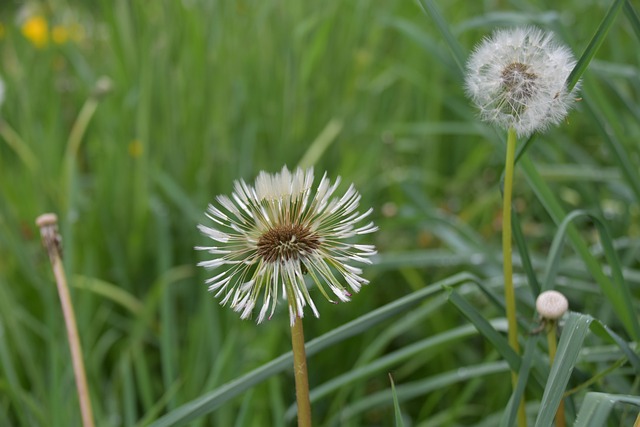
517 78
271 236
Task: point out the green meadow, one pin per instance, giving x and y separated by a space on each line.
127 118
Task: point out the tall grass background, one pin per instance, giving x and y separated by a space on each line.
206 92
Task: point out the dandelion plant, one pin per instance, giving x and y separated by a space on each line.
517 78
273 235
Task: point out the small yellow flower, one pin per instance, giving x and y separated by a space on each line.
59 34
76 32
36 30
135 148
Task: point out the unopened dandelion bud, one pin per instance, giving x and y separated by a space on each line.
103 86
551 305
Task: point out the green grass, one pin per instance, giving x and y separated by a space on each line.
209 92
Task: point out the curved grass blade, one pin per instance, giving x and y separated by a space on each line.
430 8
596 407
420 388
321 143
607 334
416 33
605 117
574 332
569 348
424 347
620 295
210 401
109 291
521 243
484 327
584 60
632 15
594 43
553 207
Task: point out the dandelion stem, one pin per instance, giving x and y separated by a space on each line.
509 293
79 128
551 342
51 241
300 372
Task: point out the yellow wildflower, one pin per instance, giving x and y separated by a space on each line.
135 148
36 30
59 34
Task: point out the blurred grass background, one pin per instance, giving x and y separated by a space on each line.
206 92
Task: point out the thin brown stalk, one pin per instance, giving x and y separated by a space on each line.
48 224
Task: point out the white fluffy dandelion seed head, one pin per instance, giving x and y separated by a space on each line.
517 78
551 305
271 236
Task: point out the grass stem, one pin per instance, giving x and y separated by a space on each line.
48 224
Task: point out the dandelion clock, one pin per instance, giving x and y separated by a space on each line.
272 239
517 78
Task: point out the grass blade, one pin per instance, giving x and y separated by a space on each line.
632 15
569 347
584 60
431 8
596 407
421 388
210 401
511 412
521 244
603 331
484 327
605 117
552 206
396 405
594 43
423 348
619 295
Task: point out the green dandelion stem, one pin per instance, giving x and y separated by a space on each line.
300 373
509 294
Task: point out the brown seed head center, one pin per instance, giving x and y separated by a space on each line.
519 80
285 242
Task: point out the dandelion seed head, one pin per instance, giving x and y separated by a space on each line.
270 236
287 241
517 78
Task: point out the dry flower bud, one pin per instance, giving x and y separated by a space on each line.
551 305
